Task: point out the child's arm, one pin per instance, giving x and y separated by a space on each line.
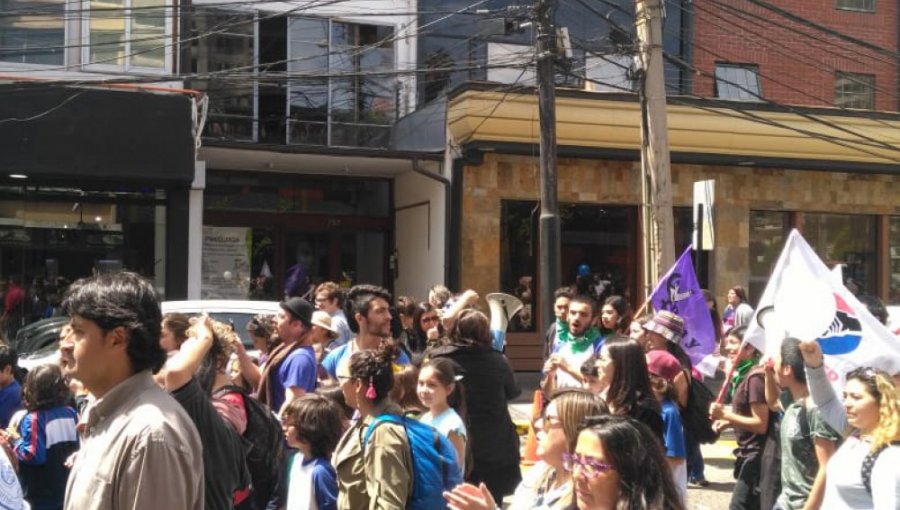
459 444
30 448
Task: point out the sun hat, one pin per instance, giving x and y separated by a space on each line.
323 320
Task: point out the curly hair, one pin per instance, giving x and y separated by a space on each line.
881 387
45 388
375 368
216 359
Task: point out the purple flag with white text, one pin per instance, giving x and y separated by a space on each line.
679 292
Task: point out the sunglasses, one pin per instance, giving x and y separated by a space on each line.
589 467
546 423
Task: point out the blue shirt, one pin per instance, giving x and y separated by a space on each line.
298 370
673 430
10 402
342 354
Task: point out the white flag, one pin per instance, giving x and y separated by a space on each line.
803 300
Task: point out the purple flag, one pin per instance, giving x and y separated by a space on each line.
679 292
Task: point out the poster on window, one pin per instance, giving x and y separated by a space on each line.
225 262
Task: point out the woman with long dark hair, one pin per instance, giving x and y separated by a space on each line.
490 384
617 465
424 317
615 316
738 312
623 364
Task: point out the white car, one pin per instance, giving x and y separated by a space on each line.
236 312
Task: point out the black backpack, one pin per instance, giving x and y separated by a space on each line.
696 414
868 463
264 446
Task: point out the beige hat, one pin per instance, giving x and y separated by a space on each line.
323 320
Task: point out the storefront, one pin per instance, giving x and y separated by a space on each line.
267 234
92 180
769 179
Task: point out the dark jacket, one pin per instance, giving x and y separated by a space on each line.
489 384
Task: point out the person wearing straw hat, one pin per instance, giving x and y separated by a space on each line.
323 333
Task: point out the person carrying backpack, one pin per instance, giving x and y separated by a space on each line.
386 461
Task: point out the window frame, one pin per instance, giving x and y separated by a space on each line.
67 19
838 6
330 81
854 77
169 47
752 68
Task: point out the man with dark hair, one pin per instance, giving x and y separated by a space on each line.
368 309
807 442
291 369
10 391
561 298
139 449
577 342
330 299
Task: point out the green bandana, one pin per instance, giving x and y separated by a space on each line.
579 343
739 373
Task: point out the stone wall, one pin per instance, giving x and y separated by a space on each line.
738 191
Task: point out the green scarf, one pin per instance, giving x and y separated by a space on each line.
740 372
579 343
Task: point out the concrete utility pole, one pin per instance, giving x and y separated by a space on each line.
656 172
549 222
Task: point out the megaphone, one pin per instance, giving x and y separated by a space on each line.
503 308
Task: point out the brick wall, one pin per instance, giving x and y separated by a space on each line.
738 191
796 69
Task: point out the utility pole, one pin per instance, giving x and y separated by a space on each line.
548 225
656 171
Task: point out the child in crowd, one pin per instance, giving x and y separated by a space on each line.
10 390
313 424
45 438
442 394
663 368
405 391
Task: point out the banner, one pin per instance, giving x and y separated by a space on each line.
679 292
805 300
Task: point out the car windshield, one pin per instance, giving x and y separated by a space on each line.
239 321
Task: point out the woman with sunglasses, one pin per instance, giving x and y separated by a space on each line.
617 464
863 473
424 318
261 329
548 485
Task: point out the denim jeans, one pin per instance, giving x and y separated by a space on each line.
695 466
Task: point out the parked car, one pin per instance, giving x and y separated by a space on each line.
39 334
235 312
45 338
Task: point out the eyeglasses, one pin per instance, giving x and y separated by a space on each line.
342 378
546 423
590 467
430 318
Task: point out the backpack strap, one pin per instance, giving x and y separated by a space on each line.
378 420
868 463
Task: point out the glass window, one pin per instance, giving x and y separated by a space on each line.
856 5
738 82
610 73
845 239
511 63
854 90
518 258
32 31
127 33
228 45
768 232
894 265
357 88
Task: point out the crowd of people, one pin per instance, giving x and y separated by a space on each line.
357 401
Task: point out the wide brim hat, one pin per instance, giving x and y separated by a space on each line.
666 324
323 320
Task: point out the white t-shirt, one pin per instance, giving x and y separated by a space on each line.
10 490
